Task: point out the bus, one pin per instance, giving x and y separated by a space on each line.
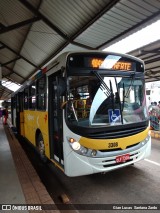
86 112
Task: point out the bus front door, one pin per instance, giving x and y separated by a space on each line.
55 121
19 116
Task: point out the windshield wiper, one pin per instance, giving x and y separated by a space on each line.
112 95
103 85
119 101
109 92
123 97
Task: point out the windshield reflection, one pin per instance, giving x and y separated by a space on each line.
105 102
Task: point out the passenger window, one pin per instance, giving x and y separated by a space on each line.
32 96
41 93
26 99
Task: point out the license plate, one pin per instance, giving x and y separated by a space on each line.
122 158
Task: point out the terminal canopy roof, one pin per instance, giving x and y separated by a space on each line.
33 32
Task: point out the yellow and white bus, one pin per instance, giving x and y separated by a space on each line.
86 112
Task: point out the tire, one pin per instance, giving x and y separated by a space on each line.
41 148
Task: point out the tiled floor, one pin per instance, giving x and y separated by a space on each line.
19 182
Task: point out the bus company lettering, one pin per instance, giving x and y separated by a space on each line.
30 117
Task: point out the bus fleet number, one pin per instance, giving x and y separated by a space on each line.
112 145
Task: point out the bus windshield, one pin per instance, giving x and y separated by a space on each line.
101 100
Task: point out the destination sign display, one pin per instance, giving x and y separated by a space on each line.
120 65
104 62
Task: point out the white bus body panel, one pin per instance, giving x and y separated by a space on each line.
77 165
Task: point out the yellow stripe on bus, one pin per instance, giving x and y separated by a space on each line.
102 144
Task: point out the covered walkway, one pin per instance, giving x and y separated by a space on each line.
19 182
10 188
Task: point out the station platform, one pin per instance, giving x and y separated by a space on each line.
155 134
19 182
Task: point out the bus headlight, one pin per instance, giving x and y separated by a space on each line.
76 145
78 148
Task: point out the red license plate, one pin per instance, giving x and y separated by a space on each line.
122 158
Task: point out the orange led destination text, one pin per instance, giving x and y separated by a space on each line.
96 63
122 66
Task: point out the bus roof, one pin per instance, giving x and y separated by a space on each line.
60 62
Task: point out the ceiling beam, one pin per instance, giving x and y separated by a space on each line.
2 47
19 55
152 60
18 25
52 26
12 72
69 40
11 61
152 76
61 33
49 23
153 67
96 17
149 51
2 25
147 57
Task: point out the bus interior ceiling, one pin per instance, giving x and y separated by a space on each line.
34 32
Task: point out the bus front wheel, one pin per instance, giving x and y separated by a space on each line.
41 147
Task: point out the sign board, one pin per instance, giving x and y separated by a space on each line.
114 115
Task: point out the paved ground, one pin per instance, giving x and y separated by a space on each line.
34 190
138 184
10 188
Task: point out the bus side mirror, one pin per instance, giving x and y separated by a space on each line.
62 86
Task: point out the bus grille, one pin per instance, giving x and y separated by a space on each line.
116 133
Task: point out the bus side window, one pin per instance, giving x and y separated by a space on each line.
41 93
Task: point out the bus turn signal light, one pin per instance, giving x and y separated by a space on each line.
72 140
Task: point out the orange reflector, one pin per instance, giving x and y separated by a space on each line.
71 140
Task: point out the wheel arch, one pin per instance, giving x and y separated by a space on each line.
38 132
39 146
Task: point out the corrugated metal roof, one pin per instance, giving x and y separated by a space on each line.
42 40
23 68
12 12
116 21
150 54
71 15
35 31
6 55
